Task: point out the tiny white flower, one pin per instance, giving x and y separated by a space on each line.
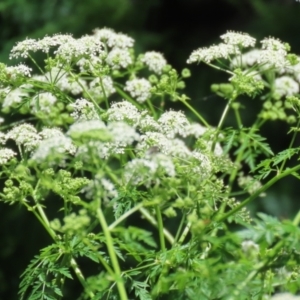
2 138
83 47
285 86
273 58
250 248
155 61
247 59
119 58
100 184
122 133
239 39
284 296
47 133
20 69
173 123
43 102
91 63
6 155
124 111
274 45
84 110
139 89
140 171
101 86
165 163
24 135
196 130
23 48
14 97
113 39
55 145
294 70
86 126
214 52
104 34
154 139
147 123
203 166
67 84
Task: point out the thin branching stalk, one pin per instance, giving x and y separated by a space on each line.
112 255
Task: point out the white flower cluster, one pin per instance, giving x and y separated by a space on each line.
68 48
144 171
139 89
6 155
247 59
121 135
102 187
43 102
23 48
86 46
118 45
165 136
154 61
124 111
212 53
238 39
53 146
101 87
24 135
174 123
38 144
85 126
272 54
285 86
119 58
14 97
83 110
250 184
14 71
274 45
113 39
284 296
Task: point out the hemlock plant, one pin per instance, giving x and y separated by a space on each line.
94 134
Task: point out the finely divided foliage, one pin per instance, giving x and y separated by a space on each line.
93 132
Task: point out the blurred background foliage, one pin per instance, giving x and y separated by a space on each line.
173 27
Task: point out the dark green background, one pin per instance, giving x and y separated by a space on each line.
172 27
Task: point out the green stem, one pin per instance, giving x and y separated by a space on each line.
35 63
125 216
128 98
290 146
104 93
221 122
45 222
238 117
296 220
152 221
179 228
195 112
220 69
241 154
97 107
185 233
42 217
153 112
160 227
112 255
221 218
